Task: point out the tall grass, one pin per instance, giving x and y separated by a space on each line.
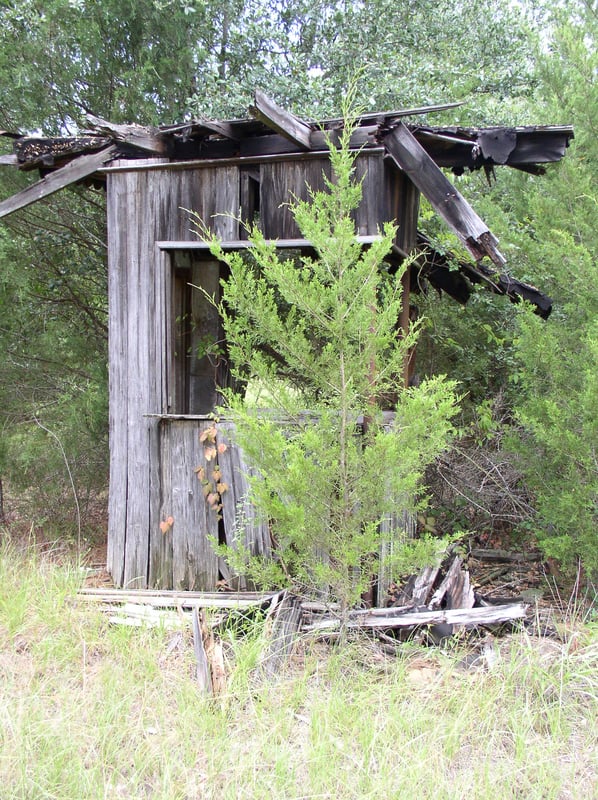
90 710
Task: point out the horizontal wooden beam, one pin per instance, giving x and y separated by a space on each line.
177 599
74 171
244 244
277 118
454 209
402 112
135 165
225 129
398 618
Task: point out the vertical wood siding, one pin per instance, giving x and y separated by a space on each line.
144 207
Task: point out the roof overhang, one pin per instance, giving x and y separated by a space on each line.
418 150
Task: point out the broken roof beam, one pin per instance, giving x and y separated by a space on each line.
73 172
152 140
224 129
291 127
34 152
380 116
454 209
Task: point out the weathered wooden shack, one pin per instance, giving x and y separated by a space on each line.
164 379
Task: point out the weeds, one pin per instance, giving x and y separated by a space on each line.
88 710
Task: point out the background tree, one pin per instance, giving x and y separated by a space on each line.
556 396
160 61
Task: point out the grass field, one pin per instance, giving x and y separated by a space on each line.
91 710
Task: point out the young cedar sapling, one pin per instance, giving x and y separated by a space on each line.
319 336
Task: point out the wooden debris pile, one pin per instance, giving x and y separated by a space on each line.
439 600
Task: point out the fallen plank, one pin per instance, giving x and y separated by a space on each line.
492 575
75 171
140 622
9 160
504 555
143 616
457 616
174 599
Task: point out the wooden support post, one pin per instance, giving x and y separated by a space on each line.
404 321
405 208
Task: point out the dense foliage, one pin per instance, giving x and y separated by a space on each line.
557 377
159 61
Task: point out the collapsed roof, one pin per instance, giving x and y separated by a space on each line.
419 150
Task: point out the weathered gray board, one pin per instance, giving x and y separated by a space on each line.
146 206
182 555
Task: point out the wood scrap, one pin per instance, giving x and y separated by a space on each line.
211 675
455 591
140 615
285 625
437 600
488 615
492 575
503 556
203 672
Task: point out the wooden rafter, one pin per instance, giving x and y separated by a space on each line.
454 209
152 140
225 129
291 127
65 176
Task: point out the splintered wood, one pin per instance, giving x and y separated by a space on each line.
284 624
211 675
439 599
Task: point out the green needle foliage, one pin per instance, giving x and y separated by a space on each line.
320 333
556 379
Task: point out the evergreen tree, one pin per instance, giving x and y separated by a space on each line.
557 380
319 337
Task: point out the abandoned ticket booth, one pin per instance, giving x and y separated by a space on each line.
163 381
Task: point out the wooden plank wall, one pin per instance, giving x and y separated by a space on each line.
151 463
184 558
282 182
145 207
